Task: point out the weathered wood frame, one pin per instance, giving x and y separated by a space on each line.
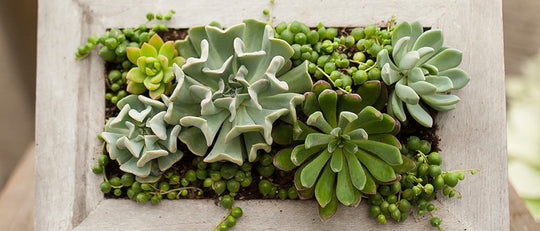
70 111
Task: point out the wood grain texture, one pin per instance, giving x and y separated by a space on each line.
17 197
70 114
520 217
521 33
57 104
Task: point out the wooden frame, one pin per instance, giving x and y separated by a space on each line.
70 111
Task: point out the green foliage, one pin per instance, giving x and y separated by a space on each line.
154 70
115 41
139 140
234 85
422 71
346 61
417 187
344 153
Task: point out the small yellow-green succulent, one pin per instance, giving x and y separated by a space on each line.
154 71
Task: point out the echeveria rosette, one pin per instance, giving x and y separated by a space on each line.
234 85
154 71
344 153
140 140
422 71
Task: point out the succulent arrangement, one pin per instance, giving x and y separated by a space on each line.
233 112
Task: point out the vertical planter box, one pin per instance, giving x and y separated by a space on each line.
70 112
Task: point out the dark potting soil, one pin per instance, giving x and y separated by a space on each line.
285 180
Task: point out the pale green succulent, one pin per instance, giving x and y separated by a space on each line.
234 85
422 70
140 140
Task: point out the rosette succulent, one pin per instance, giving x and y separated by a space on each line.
422 71
154 71
345 153
234 85
140 140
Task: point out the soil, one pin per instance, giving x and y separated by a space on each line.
285 180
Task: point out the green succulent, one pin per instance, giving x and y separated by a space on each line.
234 85
344 153
154 71
140 140
422 71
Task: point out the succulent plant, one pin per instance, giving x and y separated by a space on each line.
234 85
344 153
154 71
422 71
140 140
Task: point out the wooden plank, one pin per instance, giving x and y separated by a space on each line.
520 217
258 215
474 135
521 33
57 103
70 113
17 197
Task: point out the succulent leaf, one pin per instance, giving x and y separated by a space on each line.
373 93
370 187
317 120
442 83
329 210
406 166
345 191
378 168
234 85
420 114
324 190
283 134
441 99
458 77
310 173
300 153
419 69
358 177
350 102
328 104
337 160
282 160
388 153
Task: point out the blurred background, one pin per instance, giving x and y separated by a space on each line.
18 30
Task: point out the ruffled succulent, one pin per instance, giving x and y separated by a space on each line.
140 140
422 70
344 153
154 71
234 85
